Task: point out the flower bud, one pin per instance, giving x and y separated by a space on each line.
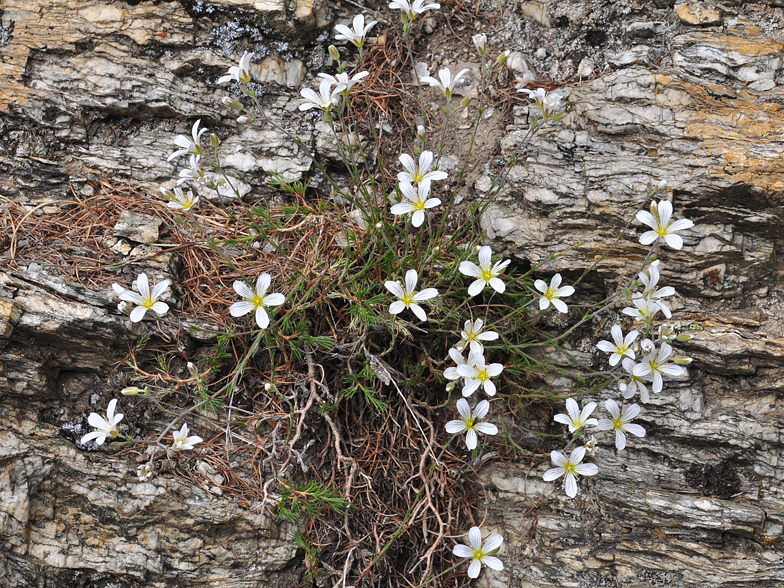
130 391
681 360
193 369
232 103
214 141
379 225
270 387
685 337
480 41
333 52
465 102
436 249
662 185
243 120
450 386
503 57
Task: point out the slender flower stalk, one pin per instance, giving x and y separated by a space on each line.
256 300
479 552
469 422
621 422
408 297
104 427
571 468
486 274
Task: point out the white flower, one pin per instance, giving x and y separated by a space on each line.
145 472
416 174
654 366
478 373
472 335
183 201
342 79
418 202
450 373
356 36
182 441
480 42
413 9
189 145
239 73
256 300
470 422
652 292
192 172
325 99
551 294
408 297
621 422
576 419
105 427
146 299
447 82
621 347
485 274
644 309
547 103
571 468
479 552
660 220
635 383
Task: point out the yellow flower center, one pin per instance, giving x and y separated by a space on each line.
257 301
551 293
419 205
482 375
469 423
478 554
408 299
617 423
417 176
487 275
569 468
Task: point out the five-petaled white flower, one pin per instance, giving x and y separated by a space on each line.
480 42
356 36
417 174
654 366
472 335
548 103
182 201
480 552
325 99
621 422
408 297
342 79
145 299
576 419
182 441
571 468
660 220
256 300
485 274
239 73
413 9
643 310
192 172
418 202
469 422
478 373
189 145
145 471
446 83
105 427
621 346
552 293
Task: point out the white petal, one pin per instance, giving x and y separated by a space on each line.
98 421
159 289
648 237
275 299
397 307
402 208
606 346
475 538
481 409
474 568
471 387
486 428
681 225
454 427
635 430
573 409
417 218
493 562
577 455
630 412
489 388
620 440
425 161
160 308
571 485
471 439
138 313
485 257
497 285
563 419
544 303
476 287
541 285
130 296
408 162
560 306
411 281
552 474
461 550
587 469
418 311
241 308
646 218
425 294
674 241
94 435
612 408
605 425
492 543
243 290
565 291
464 409
262 319
558 458
469 268
395 288
262 284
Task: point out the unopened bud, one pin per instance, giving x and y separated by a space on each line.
270 387
662 185
680 360
379 225
465 102
214 141
232 103
333 52
450 386
683 337
436 249
421 133
130 391
480 41
503 57
167 193
243 120
193 369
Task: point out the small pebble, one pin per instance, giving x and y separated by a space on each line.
541 53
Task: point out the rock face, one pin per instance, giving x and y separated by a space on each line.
688 93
